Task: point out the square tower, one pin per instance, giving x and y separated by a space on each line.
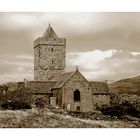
49 55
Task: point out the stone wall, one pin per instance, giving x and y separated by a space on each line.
50 41
44 98
100 100
49 60
40 91
77 81
58 94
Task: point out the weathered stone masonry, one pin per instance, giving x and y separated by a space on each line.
70 90
49 55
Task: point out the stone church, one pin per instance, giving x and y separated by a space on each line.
55 87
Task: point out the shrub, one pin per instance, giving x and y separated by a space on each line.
112 111
120 110
39 102
15 105
19 94
17 99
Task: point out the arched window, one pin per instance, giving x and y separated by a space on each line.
76 95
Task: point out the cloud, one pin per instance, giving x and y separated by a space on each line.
88 60
104 45
15 68
105 65
15 42
135 53
27 57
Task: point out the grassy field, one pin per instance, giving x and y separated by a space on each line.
126 86
51 119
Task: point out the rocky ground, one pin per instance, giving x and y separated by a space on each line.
46 118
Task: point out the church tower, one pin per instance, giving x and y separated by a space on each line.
49 55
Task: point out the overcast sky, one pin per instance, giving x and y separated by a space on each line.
105 46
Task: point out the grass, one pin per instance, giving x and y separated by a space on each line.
126 86
46 118
39 119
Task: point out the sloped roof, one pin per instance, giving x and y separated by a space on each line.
40 87
99 87
49 33
61 78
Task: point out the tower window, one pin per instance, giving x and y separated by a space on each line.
77 96
52 49
39 53
52 62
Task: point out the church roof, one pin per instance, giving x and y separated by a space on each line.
61 78
99 87
49 33
39 87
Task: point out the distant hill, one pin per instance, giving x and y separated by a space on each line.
126 86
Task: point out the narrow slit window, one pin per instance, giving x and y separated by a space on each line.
39 54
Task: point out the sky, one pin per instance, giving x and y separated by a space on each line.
105 46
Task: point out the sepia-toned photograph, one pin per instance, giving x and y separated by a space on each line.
69 69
